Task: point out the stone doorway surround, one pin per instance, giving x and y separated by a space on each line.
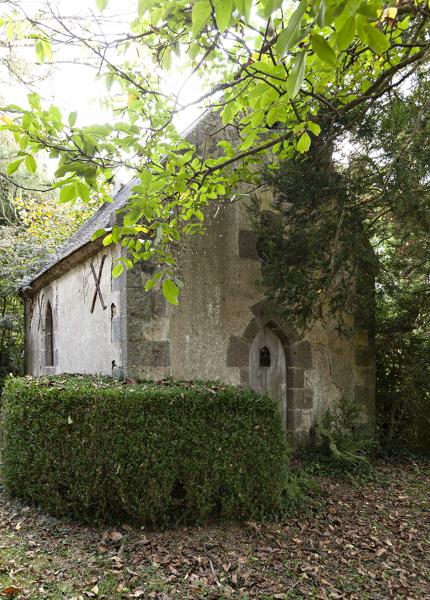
298 360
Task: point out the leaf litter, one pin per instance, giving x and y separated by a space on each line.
361 540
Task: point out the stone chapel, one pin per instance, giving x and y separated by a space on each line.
79 319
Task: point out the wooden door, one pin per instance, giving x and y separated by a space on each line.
267 369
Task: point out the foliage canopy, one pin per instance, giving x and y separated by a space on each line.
270 67
32 226
340 225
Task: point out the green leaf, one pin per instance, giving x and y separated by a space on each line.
272 116
170 291
56 114
304 143
288 35
132 217
63 169
346 34
68 193
376 40
10 30
27 120
314 127
98 234
83 191
34 100
228 112
257 118
270 6
102 4
295 79
268 98
180 183
200 16
30 163
249 140
99 130
40 51
90 176
72 118
48 49
223 10
107 240
23 141
323 49
116 232
244 7
13 166
117 270
146 178
150 284
370 8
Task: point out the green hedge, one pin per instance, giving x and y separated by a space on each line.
156 453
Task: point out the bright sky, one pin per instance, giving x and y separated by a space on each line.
74 86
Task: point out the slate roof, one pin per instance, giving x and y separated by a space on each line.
64 259
103 217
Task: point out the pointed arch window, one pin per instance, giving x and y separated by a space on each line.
49 337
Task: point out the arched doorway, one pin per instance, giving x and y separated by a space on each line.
268 369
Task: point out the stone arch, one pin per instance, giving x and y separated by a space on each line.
297 355
48 320
48 334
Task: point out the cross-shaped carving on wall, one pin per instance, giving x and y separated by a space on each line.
97 279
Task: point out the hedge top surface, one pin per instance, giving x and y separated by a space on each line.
100 382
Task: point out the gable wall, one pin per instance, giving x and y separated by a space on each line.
221 310
189 340
84 342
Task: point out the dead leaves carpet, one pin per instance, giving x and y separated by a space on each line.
360 540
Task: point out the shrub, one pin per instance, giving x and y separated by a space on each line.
156 453
302 493
337 442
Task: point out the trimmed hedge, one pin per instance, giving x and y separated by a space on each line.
157 453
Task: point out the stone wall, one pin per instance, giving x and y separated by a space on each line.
148 347
84 341
221 310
